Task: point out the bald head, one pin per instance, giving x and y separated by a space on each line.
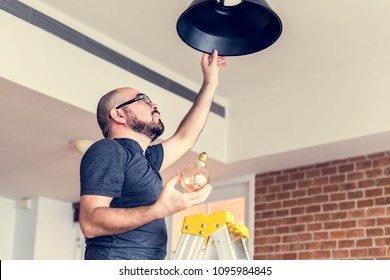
109 101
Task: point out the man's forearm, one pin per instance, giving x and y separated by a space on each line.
194 121
110 221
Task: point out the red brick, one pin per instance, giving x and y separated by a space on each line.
331 188
348 224
297 210
282 179
329 244
297 247
289 238
304 236
340 254
338 196
322 217
313 209
270 197
320 181
299 193
383 181
376 252
382 201
366 223
359 253
346 243
305 201
355 195
267 231
364 242
282 248
297 228
275 205
306 255
297 176
265 249
267 181
382 241
304 184
331 225
260 190
365 203
283 195
376 211
374 192
322 254
274 222
321 235
291 170
374 232
383 221
305 219
330 207
347 205
346 168
292 203
312 173
289 186
313 191
366 183
321 198
289 220
363 165
312 245
355 176
260 207
273 239
290 256
338 215
268 214
274 256
376 155
339 234
281 213
373 173
356 213
381 162
314 227
274 189
329 171
354 233
348 186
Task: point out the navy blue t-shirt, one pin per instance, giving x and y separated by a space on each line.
119 169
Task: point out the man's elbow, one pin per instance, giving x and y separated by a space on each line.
87 229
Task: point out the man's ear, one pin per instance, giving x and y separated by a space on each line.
118 115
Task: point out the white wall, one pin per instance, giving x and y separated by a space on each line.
7 229
49 63
309 116
43 231
55 231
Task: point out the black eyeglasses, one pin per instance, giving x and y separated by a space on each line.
140 96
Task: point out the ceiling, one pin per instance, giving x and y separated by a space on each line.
318 38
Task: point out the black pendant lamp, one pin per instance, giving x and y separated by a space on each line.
248 27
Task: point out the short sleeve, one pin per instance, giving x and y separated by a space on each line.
102 169
155 155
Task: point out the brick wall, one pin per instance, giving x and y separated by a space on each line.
333 210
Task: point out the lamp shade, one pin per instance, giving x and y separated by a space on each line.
248 27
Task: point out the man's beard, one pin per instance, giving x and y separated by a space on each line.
152 130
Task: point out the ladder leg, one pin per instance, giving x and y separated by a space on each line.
189 247
223 244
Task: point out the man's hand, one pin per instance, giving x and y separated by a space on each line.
211 65
172 200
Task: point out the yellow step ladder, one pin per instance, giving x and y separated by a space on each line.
217 233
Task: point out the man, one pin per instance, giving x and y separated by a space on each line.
123 203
